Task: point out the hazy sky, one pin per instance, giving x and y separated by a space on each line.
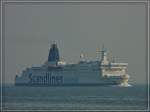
78 28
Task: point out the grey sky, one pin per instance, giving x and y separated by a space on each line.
29 30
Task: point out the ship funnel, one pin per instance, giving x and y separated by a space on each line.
53 53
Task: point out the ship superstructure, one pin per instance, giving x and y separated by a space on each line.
55 72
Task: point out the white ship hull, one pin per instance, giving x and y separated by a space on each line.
56 73
67 76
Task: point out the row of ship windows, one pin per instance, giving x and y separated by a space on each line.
65 70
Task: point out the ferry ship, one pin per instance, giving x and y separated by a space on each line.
55 72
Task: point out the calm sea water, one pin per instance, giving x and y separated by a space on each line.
75 98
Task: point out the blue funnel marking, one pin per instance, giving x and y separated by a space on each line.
53 54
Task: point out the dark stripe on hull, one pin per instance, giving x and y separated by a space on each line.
90 84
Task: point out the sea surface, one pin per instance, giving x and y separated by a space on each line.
75 98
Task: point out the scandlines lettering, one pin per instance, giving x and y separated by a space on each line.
48 78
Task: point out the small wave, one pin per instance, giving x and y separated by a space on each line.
122 85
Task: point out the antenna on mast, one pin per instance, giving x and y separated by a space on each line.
113 59
103 48
103 52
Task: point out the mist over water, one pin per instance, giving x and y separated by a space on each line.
75 98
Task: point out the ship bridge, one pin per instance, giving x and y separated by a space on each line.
111 68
